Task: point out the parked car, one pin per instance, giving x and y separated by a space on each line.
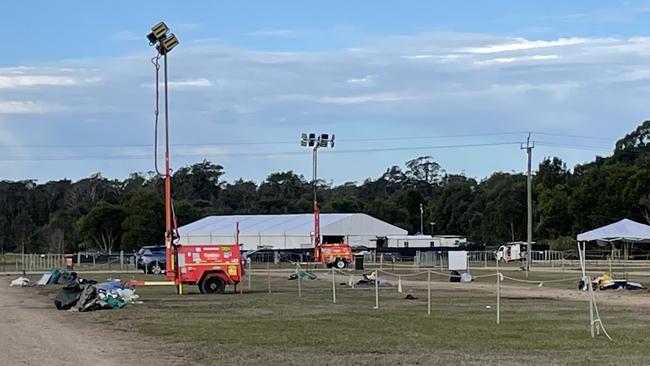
152 259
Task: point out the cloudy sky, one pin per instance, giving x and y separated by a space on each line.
462 82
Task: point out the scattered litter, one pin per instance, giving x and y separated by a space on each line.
44 279
20 281
621 285
488 307
55 274
370 278
51 278
605 282
454 276
466 278
410 297
304 275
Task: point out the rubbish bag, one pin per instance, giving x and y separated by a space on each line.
110 286
454 276
88 300
54 278
466 278
69 294
20 281
128 295
114 302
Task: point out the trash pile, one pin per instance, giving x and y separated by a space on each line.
87 295
606 282
79 294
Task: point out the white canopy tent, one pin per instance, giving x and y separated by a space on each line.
625 231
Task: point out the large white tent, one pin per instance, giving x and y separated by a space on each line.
625 230
286 232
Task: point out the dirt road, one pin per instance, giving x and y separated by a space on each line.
33 332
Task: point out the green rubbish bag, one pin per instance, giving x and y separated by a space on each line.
114 303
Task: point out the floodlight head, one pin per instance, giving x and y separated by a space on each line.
332 140
304 140
159 30
167 44
152 39
322 141
312 139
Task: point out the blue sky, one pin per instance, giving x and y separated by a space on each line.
460 81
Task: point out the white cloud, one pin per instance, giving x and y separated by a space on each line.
7 82
520 44
185 83
508 60
358 99
20 107
366 80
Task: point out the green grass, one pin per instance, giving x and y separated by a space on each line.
259 328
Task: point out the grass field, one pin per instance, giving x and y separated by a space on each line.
259 328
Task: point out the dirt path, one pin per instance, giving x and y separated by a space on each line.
33 332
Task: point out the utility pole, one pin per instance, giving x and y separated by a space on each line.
529 203
421 219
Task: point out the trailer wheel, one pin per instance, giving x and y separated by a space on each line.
340 264
213 285
155 268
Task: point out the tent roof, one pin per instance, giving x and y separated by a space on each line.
625 230
300 224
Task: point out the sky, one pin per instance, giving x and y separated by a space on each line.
462 81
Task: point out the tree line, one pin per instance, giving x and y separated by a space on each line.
97 213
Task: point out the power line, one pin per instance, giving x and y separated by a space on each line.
575 146
251 154
575 136
291 142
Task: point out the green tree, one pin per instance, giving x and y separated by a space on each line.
102 226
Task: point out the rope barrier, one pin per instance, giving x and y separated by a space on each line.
538 282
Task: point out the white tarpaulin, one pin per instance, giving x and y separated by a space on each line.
624 230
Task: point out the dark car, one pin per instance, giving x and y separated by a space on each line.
152 259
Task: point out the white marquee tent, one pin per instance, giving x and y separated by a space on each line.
283 232
625 230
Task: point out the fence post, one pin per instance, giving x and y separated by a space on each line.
429 292
333 286
268 275
299 285
121 259
399 284
498 294
377 289
249 263
94 260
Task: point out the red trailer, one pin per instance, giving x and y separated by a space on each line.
210 267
